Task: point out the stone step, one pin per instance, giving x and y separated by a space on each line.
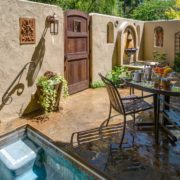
29 175
18 157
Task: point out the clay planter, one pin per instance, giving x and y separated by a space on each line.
58 88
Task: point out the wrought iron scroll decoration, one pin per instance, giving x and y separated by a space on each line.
7 98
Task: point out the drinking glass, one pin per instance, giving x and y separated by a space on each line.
144 78
173 82
173 78
155 79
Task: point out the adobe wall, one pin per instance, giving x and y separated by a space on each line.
104 55
47 52
170 28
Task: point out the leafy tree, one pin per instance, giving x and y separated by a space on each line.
129 5
99 6
136 9
153 10
174 12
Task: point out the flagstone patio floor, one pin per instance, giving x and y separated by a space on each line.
81 115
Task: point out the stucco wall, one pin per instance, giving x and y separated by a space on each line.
170 28
104 55
47 52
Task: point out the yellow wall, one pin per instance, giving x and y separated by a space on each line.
104 55
170 28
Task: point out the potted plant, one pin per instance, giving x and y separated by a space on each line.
49 87
116 75
161 58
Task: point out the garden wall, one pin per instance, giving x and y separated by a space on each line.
48 50
105 55
169 29
47 53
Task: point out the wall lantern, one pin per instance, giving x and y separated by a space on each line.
53 24
116 23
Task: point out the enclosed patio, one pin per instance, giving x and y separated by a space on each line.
76 129
87 95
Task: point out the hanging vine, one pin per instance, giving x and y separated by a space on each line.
48 85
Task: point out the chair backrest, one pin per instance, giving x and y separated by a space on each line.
114 96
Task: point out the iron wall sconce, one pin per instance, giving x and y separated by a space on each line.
53 24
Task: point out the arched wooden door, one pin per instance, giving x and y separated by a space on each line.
76 60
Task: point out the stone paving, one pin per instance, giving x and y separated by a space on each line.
82 114
81 111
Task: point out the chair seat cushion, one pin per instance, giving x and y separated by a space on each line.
173 116
136 105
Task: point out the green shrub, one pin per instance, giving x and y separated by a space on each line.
160 57
117 73
97 84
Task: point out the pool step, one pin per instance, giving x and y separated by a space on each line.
18 158
29 175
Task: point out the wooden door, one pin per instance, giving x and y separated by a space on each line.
76 60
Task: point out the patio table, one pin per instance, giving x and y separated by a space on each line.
157 92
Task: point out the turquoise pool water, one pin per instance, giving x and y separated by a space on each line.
33 157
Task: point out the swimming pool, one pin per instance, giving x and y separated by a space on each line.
26 154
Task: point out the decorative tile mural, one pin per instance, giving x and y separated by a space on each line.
27 30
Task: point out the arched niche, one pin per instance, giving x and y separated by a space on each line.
138 29
158 36
127 38
110 32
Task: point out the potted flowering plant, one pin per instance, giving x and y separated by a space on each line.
49 88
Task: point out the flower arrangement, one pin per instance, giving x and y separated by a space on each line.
163 71
161 58
50 86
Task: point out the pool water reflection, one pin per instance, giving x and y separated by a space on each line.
140 157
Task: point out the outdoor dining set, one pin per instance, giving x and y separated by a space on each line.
156 82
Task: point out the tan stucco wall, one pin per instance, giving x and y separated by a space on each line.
170 28
48 52
14 56
103 54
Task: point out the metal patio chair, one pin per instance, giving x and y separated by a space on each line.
171 113
127 105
